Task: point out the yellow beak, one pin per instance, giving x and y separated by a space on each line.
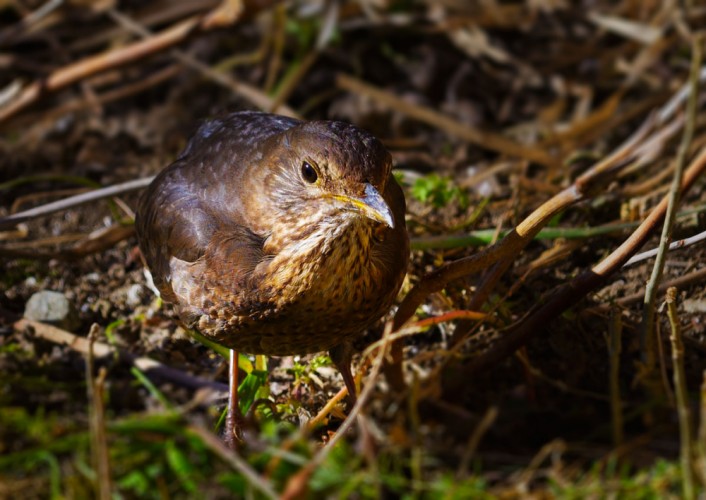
372 205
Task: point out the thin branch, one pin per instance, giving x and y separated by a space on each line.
639 148
508 246
227 13
647 333
675 245
150 367
74 201
252 94
503 253
686 451
98 241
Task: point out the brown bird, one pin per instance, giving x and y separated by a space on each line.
276 236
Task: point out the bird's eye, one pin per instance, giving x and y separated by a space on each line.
309 173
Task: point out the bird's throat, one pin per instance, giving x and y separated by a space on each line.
334 257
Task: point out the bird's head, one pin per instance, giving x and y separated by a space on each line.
330 171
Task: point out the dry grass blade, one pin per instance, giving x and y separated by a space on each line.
674 245
99 438
647 335
686 450
232 459
97 241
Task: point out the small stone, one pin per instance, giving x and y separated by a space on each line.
53 308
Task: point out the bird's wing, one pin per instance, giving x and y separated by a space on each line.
197 197
175 224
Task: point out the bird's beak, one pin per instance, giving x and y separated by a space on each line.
371 205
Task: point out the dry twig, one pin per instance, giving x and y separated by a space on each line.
686 450
227 13
150 367
647 334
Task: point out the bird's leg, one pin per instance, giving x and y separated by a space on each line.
341 356
232 434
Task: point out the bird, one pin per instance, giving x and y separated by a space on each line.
277 236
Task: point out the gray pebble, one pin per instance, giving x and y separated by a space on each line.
53 308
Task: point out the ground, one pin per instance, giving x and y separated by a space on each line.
489 112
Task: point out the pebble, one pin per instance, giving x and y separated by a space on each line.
53 308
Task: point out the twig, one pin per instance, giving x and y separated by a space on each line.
144 83
507 247
252 94
150 367
686 447
647 331
79 70
73 201
320 417
273 44
224 15
505 250
675 245
30 19
290 84
488 419
99 240
686 91
99 441
639 148
165 15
